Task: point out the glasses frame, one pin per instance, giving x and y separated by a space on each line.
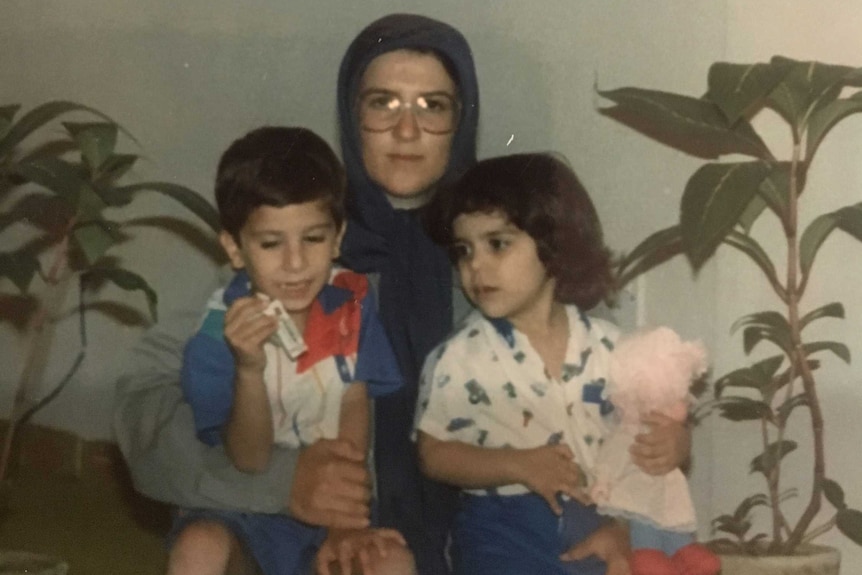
409 106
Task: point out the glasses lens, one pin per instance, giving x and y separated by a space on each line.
434 113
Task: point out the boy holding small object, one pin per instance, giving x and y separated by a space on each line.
287 354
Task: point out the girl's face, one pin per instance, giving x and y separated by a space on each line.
500 269
406 159
287 252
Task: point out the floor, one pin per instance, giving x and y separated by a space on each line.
72 500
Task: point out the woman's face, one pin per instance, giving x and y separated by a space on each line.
407 159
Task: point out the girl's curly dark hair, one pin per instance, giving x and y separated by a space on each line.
540 194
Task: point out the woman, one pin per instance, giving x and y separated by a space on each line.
408 105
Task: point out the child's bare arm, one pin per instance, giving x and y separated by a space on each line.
355 413
546 470
249 435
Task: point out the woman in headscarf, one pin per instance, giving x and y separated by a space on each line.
408 105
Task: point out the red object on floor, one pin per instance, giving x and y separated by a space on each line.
651 562
695 559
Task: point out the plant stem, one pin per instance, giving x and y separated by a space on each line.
41 334
800 360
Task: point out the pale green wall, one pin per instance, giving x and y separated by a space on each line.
188 77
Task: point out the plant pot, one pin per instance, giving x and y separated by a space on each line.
808 560
24 563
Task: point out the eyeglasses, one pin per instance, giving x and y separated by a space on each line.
435 113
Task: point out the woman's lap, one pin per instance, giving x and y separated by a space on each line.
519 534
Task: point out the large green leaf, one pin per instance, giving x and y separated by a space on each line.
765 319
834 310
812 238
750 247
49 149
115 167
93 239
772 456
775 188
193 201
38 117
96 141
807 88
751 213
128 281
738 89
839 349
847 219
849 522
56 175
714 199
769 325
694 126
19 267
654 250
7 114
42 211
834 494
744 409
759 376
826 117
786 408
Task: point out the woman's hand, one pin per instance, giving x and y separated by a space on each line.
610 543
665 447
548 471
331 486
346 548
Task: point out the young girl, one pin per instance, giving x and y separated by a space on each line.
511 406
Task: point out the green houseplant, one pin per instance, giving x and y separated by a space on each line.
59 184
721 203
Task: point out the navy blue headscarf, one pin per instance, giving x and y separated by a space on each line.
416 277
415 290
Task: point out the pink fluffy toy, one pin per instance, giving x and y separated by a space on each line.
651 370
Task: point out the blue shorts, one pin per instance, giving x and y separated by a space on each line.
280 545
518 534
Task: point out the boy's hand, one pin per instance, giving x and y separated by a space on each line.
331 486
550 470
355 545
665 447
246 329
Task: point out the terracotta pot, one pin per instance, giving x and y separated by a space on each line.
24 563
808 560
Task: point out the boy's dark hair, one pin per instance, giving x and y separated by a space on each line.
277 166
541 195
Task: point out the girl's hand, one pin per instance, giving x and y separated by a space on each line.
347 547
665 447
246 329
548 471
610 543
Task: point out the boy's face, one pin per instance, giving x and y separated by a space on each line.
287 252
500 269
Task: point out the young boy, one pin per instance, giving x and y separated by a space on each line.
287 354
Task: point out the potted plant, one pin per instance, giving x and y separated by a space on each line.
721 203
57 194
